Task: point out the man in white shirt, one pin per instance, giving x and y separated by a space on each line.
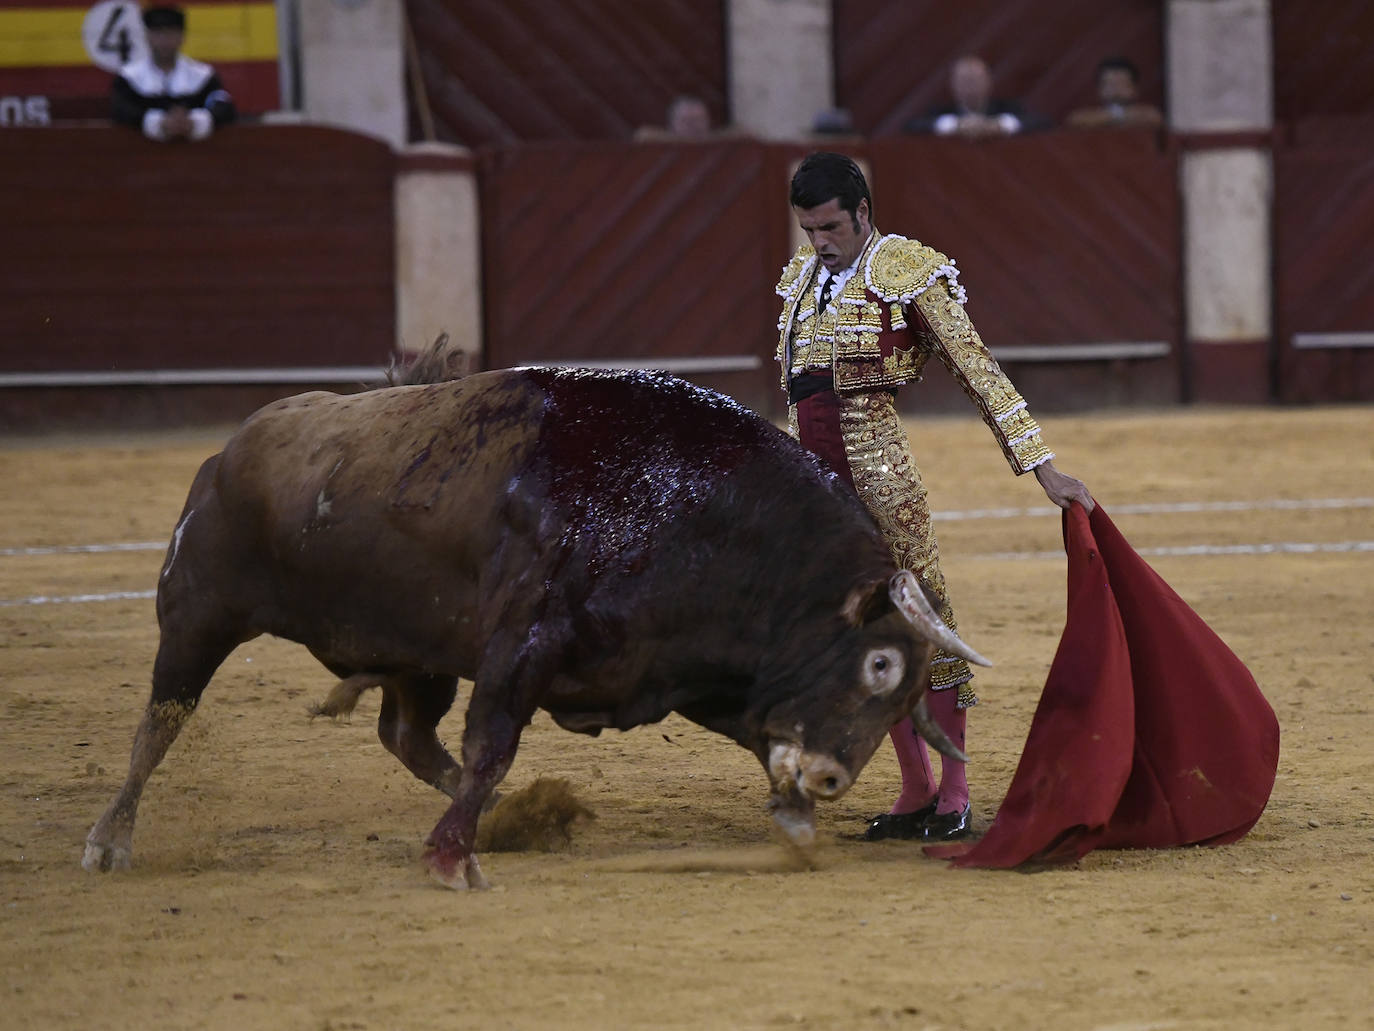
166 94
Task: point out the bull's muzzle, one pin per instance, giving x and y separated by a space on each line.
815 776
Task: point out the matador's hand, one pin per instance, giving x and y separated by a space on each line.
1063 489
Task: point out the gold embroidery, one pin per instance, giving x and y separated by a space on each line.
890 487
792 271
898 361
872 319
900 269
962 351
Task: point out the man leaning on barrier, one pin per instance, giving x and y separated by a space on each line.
166 94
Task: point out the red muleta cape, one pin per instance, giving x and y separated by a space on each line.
1150 733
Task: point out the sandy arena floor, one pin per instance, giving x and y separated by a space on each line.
276 881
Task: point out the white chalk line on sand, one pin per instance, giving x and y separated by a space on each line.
68 599
1163 508
1167 508
1188 550
83 549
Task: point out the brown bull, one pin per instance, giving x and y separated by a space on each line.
607 547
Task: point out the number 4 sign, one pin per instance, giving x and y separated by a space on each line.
113 33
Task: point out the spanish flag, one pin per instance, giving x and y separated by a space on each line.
58 57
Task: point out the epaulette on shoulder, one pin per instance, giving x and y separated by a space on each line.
795 269
899 270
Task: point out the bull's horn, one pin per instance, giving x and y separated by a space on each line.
925 724
911 602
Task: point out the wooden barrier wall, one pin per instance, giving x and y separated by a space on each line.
502 71
1323 275
1323 201
263 247
1068 242
1323 58
646 252
271 248
672 251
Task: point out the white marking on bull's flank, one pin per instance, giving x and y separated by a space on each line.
1167 508
47 599
176 543
322 505
1278 548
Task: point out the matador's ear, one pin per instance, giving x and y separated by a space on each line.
865 603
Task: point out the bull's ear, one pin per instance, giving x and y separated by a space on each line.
865 603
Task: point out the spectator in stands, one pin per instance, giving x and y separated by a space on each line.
687 118
165 93
1118 80
975 113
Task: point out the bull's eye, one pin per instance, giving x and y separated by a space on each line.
882 670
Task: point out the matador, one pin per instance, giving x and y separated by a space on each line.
862 313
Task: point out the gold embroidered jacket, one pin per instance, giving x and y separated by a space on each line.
903 304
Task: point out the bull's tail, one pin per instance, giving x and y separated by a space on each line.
343 699
440 363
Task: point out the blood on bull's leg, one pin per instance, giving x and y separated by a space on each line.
489 743
505 695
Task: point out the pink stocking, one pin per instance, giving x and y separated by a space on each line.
918 779
953 774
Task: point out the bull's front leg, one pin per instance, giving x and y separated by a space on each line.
504 698
794 811
489 744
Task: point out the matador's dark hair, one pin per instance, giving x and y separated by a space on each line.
825 176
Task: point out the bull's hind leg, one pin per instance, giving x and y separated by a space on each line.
197 635
184 666
412 706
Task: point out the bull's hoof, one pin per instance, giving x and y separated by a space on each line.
798 828
102 858
460 874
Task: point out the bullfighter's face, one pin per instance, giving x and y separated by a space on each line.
837 236
817 743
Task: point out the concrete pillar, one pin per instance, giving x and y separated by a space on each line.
781 65
352 68
438 249
1220 83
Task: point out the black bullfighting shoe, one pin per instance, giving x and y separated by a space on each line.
948 826
908 826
